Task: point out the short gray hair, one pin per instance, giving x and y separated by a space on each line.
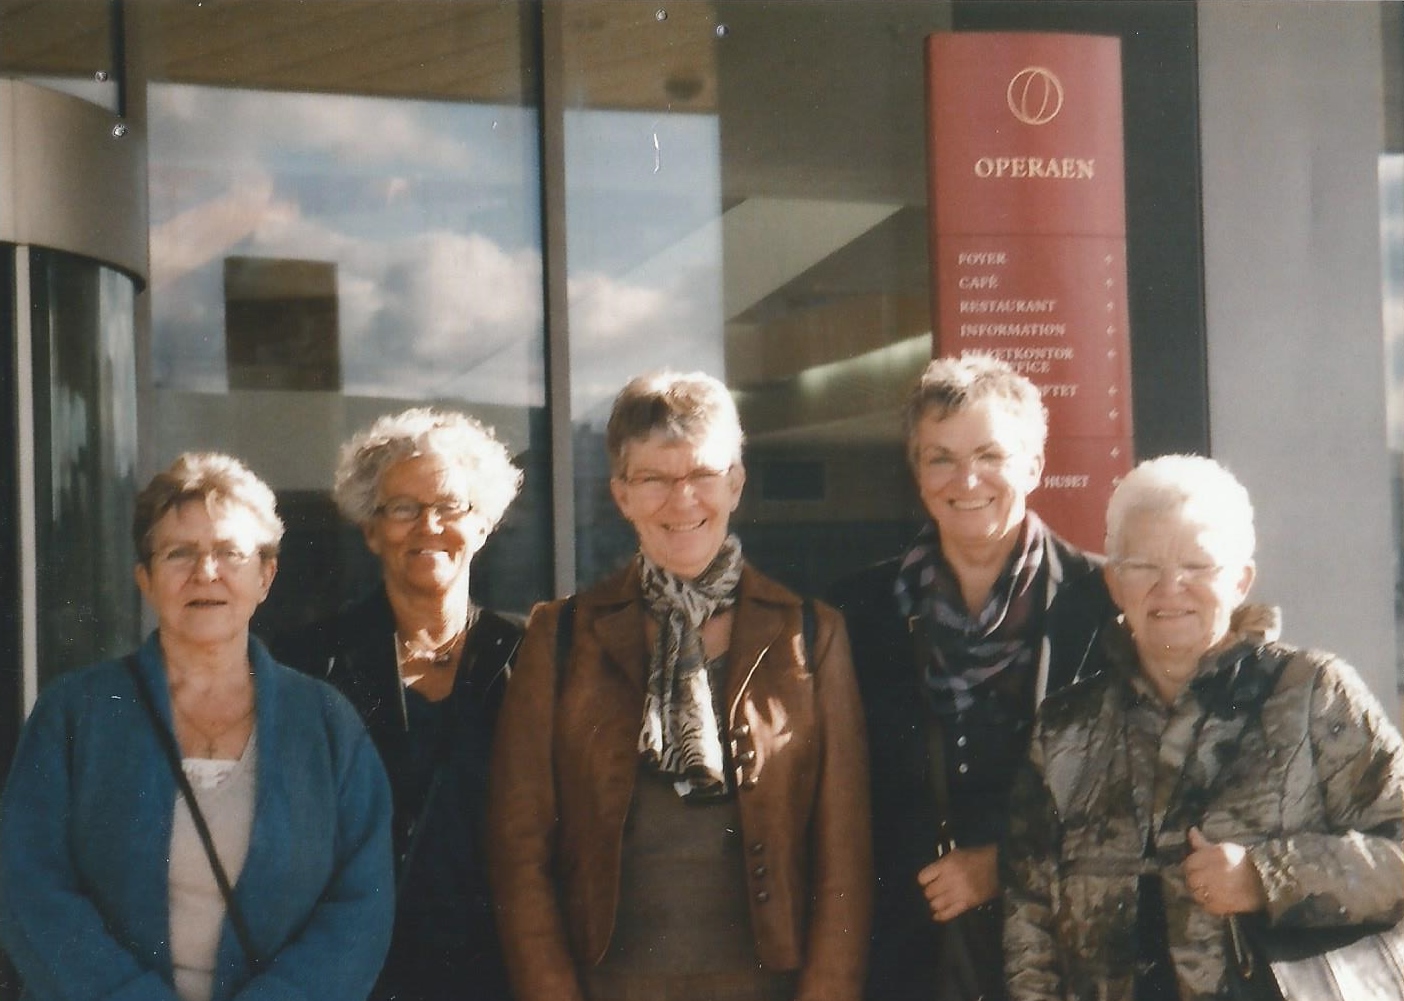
686 407
1194 486
950 385
448 434
218 482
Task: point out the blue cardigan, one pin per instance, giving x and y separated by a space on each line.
85 829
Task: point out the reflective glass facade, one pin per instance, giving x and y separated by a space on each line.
511 208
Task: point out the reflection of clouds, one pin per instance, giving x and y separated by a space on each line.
607 312
433 314
444 314
242 127
620 329
205 232
418 204
415 314
442 306
428 212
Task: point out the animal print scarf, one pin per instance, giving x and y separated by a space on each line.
682 735
964 650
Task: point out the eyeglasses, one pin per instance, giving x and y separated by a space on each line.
184 558
655 488
940 466
1142 573
406 510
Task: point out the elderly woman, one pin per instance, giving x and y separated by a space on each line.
679 787
426 667
111 884
955 641
1203 772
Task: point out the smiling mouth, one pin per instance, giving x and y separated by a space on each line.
685 528
970 505
206 603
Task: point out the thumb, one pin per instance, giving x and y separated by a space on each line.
1197 840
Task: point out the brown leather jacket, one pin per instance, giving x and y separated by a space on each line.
563 771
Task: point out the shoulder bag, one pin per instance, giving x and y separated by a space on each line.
1324 963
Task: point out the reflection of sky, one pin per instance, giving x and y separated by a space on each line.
1392 257
430 213
427 209
643 238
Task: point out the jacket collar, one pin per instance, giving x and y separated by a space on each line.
618 620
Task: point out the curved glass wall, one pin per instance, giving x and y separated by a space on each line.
85 456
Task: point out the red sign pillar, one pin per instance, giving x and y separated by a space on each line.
1028 242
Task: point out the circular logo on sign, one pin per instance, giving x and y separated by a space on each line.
1035 95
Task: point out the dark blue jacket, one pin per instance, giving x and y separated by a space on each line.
982 750
85 830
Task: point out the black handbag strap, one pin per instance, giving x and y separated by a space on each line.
168 744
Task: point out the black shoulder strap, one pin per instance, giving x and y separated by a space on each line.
565 635
168 744
808 626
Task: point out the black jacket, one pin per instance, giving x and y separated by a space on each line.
436 754
982 748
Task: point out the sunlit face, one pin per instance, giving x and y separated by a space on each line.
974 470
679 498
430 553
205 578
1176 583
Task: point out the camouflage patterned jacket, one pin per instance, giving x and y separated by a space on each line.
1315 790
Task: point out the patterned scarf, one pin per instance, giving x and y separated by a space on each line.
964 652
682 735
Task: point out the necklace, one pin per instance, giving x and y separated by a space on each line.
439 655
210 737
442 655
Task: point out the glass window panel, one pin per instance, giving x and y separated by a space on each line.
745 194
344 222
85 459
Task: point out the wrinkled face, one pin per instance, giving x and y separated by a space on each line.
426 530
1176 583
205 578
975 470
679 498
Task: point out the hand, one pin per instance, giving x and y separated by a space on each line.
961 879
1221 878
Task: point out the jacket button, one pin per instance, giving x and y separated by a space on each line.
759 872
741 730
963 768
746 757
962 740
762 895
758 848
749 782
